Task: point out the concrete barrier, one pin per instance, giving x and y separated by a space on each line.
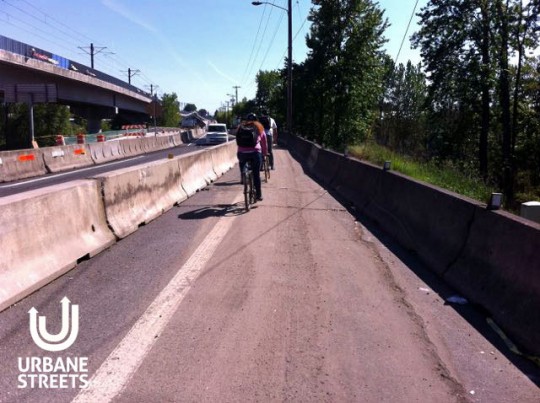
21 164
499 269
149 144
195 168
185 137
490 257
137 195
130 147
177 139
64 158
327 165
223 157
428 220
44 233
105 152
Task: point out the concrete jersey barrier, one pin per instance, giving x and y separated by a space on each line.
64 158
106 151
223 157
44 233
21 164
490 257
137 195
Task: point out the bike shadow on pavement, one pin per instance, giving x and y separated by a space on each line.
219 210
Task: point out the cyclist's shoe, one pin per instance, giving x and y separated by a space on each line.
259 198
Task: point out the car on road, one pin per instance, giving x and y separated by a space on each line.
217 133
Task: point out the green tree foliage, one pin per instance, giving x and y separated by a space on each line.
271 94
171 110
49 121
344 69
475 93
401 123
190 108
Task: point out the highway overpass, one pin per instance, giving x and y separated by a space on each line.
32 75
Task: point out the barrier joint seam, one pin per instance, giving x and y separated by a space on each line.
463 246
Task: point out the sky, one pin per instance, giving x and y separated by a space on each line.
199 49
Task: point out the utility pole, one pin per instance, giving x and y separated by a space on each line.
154 102
236 89
93 51
131 73
233 102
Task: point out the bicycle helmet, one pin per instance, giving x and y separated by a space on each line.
251 116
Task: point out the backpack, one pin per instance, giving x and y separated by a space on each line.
247 135
265 121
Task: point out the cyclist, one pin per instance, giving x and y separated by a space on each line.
251 141
270 129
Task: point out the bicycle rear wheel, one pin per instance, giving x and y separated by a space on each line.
247 191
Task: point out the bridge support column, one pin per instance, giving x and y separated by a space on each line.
93 125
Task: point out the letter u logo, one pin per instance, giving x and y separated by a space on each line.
60 341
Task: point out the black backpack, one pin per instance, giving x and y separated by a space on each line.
247 135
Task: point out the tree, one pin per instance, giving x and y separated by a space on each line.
467 48
401 124
270 92
190 108
49 120
345 65
171 110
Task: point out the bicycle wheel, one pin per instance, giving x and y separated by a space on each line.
252 195
247 191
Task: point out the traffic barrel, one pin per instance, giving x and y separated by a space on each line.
100 138
60 140
80 138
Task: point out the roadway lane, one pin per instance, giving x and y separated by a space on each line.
24 185
295 300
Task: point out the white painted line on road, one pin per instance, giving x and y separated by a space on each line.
67 173
119 367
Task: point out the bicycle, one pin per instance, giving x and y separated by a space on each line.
249 186
266 168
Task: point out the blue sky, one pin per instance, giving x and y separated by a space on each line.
199 49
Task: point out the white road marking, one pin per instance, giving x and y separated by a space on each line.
67 173
120 366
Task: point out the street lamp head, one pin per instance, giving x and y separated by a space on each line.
256 3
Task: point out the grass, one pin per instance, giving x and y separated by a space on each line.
444 177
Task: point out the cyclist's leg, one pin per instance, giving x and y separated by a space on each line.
269 142
256 165
241 162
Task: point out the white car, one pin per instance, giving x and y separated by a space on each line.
217 133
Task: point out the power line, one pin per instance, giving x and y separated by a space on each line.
65 34
406 31
253 46
253 61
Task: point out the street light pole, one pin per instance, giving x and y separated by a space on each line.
289 61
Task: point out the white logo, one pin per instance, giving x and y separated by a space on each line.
60 341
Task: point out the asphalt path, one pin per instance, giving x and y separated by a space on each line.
295 300
14 187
